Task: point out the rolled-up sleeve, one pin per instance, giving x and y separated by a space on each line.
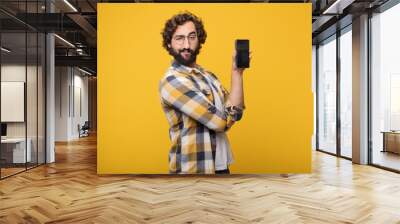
181 93
234 113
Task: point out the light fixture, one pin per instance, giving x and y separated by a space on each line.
338 6
84 71
70 5
80 51
65 41
5 50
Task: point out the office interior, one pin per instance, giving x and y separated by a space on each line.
334 74
48 80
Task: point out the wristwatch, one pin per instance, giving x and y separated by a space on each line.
235 112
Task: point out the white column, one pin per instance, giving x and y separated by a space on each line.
360 90
50 110
50 92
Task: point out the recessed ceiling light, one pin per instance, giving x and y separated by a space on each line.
70 5
5 50
64 40
84 71
338 6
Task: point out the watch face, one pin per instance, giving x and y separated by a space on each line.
235 108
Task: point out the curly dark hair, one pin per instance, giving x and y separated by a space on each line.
180 19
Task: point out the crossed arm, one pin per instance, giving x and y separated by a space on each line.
180 92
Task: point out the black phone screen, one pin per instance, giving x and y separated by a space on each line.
242 53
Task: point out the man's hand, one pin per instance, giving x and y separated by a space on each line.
235 69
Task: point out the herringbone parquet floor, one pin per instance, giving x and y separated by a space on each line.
70 191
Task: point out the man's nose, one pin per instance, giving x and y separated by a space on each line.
186 43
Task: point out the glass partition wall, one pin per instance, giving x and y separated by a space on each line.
385 89
327 95
22 88
345 62
334 93
334 103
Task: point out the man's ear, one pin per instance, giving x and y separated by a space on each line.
169 45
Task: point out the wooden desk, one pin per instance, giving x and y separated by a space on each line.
13 150
391 141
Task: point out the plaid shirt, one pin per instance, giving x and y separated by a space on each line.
188 103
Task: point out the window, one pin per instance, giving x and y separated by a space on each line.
327 95
346 93
385 88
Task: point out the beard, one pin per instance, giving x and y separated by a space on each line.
181 60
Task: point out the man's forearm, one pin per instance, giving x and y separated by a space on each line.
236 94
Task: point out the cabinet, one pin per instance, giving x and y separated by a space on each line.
391 142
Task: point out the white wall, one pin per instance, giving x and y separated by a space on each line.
12 73
71 94
62 78
16 73
81 103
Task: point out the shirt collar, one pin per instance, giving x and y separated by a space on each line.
186 69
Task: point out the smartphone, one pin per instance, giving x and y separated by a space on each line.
242 53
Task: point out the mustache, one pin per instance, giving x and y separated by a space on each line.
186 50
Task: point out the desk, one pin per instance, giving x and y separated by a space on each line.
13 150
391 141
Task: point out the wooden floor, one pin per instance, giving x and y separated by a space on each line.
5 172
386 159
69 191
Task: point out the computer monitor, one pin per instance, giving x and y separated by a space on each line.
3 129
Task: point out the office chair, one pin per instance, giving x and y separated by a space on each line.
84 130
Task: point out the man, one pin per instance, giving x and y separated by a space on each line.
198 108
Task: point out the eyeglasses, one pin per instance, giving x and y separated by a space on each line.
180 39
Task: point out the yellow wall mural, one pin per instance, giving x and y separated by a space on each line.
274 135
